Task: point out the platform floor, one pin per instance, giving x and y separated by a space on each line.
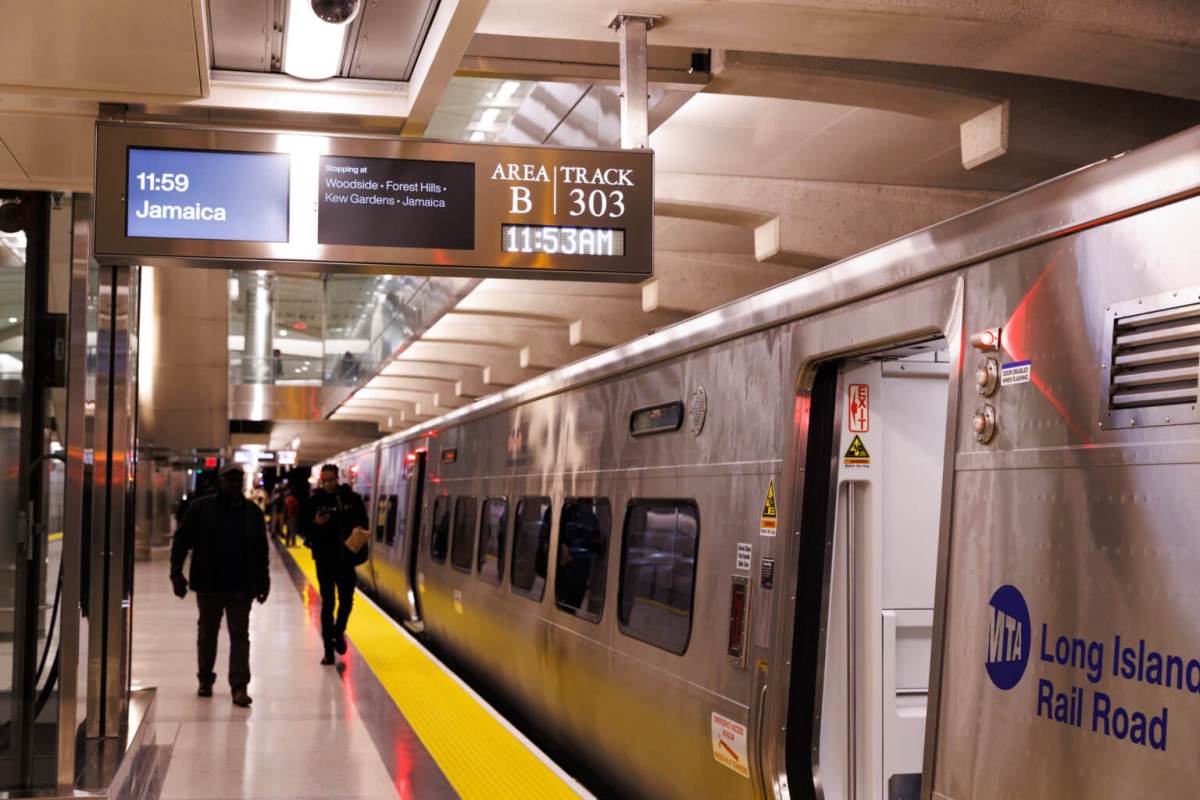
388 721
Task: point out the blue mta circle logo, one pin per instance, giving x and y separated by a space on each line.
1009 636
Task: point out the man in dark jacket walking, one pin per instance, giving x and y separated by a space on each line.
228 542
329 518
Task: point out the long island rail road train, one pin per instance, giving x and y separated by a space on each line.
919 524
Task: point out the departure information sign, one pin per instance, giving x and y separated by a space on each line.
241 199
191 195
386 202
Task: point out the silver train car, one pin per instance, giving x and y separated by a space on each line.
919 524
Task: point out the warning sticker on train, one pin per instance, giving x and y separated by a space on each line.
729 744
856 454
770 515
1016 372
745 552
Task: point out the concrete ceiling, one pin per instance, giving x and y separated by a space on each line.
824 127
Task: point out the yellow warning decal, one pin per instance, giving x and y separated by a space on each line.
769 511
766 524
857 455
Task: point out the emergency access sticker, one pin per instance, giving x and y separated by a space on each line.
729 744
1016 372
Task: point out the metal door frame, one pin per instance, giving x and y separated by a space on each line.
29 551
112 487
933 308
416 497
75 525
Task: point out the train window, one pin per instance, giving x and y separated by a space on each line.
531 547
462 548
583 528
656 419
658 572
396 516
399 529
385 517
440 540
492 524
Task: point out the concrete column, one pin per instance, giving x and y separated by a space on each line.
183 366
258 291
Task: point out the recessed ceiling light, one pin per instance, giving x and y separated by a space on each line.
12 320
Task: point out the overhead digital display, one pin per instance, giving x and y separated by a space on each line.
568 241
283 200
388 202
183 194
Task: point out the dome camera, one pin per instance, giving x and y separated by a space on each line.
336 12
13 218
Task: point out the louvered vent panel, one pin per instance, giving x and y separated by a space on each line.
1155 359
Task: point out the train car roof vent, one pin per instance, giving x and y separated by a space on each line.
1153 362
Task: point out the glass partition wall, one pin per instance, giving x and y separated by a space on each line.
327 330
34 230
68 351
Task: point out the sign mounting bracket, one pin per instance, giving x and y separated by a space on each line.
635 89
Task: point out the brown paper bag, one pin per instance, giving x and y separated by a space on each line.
357 539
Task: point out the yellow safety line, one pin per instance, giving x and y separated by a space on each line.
478 754
54 537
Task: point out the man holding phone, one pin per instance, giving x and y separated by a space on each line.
333 521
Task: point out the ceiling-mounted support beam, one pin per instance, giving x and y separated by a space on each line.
635 93
449 35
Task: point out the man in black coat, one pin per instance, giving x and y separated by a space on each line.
330 515
227 539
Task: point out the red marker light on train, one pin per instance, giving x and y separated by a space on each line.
986 339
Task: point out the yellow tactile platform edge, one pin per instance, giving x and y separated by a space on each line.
478 754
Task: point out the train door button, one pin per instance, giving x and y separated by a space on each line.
984 423
987 376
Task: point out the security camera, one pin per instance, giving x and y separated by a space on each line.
13 217
336 12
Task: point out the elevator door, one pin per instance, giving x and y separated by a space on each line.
32 372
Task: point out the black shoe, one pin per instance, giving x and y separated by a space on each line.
328 659
241 699
339 642
205 690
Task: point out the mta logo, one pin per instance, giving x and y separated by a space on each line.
1009 637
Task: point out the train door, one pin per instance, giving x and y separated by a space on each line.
415 464
877 433
390 511
361 474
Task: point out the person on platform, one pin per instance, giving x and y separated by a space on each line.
291 515
229 569
330 518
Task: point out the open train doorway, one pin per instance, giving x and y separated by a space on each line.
870 522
